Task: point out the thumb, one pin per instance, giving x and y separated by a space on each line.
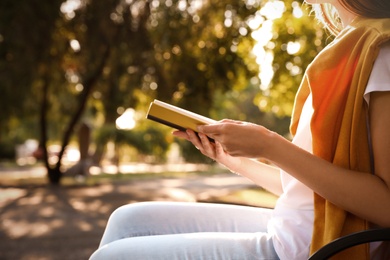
219 148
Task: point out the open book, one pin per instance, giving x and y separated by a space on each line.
176 117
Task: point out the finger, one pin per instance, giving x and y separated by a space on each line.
231 121
219 148
194 139
210 130
181 134
208 148
206 141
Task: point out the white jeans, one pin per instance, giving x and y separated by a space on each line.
181 230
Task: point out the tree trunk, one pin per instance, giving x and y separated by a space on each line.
54 173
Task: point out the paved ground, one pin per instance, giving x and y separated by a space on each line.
43 222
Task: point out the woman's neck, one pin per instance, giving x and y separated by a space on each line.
346 16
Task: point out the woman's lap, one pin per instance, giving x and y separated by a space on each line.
172 230
217 245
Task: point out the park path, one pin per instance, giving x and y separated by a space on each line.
43 222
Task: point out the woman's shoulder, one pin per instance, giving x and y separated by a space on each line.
382 63
384 53
380 75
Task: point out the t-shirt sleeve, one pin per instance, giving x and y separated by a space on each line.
380 75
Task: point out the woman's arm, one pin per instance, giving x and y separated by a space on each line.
363 194
264 175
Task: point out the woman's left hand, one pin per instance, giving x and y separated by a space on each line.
239 138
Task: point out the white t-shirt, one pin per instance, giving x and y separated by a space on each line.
292 223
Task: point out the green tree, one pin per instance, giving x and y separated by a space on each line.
66 61
296 39
201 49
26 28
81 59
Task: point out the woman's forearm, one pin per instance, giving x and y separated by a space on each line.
264 175
362 194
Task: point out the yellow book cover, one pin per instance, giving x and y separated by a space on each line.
175 117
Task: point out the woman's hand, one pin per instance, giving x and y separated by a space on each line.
211 150
239 138
263 175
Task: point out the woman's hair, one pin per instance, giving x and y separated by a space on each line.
327 14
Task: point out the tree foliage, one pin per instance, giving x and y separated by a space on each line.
67 61
63 62
296 39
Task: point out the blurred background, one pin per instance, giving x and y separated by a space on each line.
77 78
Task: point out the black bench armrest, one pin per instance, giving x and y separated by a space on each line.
362 237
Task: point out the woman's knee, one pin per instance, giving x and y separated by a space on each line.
125 221
132 213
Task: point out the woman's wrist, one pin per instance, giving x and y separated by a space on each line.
270 146
233 164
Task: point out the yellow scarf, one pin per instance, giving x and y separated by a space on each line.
337 79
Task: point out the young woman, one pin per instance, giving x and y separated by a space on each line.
328 183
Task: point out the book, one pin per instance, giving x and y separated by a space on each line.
176 117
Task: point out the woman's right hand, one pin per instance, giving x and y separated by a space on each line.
261 174
212 150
